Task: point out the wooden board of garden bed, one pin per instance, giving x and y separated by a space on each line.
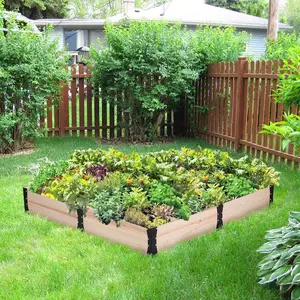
153 240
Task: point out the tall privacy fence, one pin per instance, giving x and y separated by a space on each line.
234 100
85 111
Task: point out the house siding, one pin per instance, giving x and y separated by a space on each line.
256 46
58 33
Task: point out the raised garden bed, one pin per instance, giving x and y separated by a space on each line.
150 202
152 240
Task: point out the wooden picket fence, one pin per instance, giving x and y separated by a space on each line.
234 100
83 111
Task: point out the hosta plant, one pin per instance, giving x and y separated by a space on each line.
281 265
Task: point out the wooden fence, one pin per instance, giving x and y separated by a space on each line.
234 100
84 111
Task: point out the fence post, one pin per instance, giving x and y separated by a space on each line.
239 101
62 108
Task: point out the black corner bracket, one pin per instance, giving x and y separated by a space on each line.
219 216
271 193
80 219
25 197
152 233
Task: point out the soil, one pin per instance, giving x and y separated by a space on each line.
27 149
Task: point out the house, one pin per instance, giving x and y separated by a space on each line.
75 33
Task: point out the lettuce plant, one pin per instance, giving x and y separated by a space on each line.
282 262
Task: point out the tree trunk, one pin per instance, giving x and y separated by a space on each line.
273 19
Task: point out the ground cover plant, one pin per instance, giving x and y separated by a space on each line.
282 262
150 189
39 258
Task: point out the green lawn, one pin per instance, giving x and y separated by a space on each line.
43 260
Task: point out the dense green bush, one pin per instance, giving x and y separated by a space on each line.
288 93
279 48
30 71
220 43
147 67
282 262
148 189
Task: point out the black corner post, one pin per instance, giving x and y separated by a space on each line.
25 197
219 216
152 233
80 219
271 193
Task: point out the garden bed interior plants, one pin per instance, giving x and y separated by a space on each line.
153 189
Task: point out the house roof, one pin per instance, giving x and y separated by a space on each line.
188 12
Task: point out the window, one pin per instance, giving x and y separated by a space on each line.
71 40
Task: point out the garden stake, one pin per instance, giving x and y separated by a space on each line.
80 219
271 193
152 233
25 196
220 216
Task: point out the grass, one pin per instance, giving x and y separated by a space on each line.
43 260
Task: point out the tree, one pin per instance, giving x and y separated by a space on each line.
30 72
38 9
292 14
257 8
273 19
102 8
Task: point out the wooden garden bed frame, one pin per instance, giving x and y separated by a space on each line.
154 240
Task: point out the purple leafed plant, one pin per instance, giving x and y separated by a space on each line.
99 171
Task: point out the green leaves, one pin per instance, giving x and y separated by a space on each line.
282 263
30 72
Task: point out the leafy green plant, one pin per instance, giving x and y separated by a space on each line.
109 206
160 193
280 48
32 67
72 189
237 187
288 129
136 216
46 172
136 198
149 80
282 262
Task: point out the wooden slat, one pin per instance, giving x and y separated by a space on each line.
96 110
49 116
112 119
74 100
89 99
56 118
251 106
81 99
256 107
104 114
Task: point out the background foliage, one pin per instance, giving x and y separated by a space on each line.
254 7
39 9
154 64
30 71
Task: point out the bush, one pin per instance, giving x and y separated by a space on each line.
282 262
30 71
288 93
220 43
279 48
147 67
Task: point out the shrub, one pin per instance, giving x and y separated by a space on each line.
237 187
279 48
288 92
282 262
30 71
220 43
147 67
